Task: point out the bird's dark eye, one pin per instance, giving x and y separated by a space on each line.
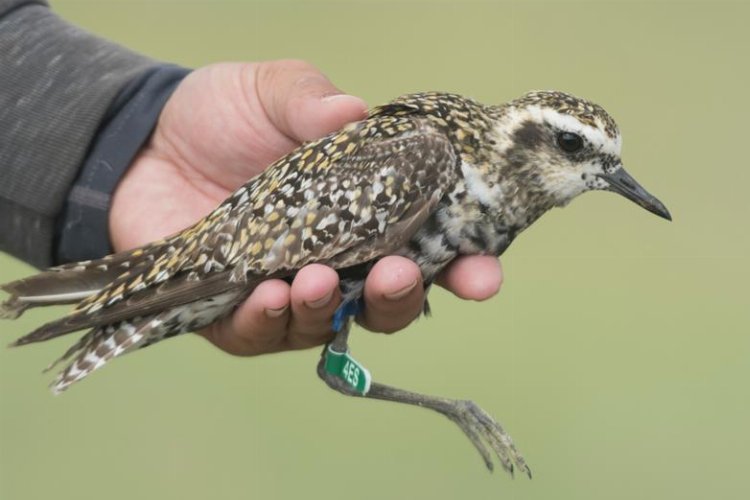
569 142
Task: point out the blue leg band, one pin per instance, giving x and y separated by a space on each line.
348 308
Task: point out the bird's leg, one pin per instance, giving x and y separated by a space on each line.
483 431
342 373
336 367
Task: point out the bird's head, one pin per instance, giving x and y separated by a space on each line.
568 146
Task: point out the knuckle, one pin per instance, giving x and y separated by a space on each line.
265 72
273 72
295 64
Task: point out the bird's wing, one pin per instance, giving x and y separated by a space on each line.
181 289
368 203
71 283
368 188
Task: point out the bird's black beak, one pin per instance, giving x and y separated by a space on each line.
621 182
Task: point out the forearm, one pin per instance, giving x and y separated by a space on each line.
57 86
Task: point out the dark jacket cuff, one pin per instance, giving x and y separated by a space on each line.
83 232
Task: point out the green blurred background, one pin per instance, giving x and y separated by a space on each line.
617 354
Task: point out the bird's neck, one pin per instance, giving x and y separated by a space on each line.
510 163
498 195
484 213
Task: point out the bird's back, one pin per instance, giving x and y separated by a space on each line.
344 200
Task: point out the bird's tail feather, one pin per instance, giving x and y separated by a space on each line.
83 342
71 283
52 329
100 345
12 308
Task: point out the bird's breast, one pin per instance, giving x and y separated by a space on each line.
455 229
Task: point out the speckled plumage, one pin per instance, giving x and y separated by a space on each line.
429 176
394 183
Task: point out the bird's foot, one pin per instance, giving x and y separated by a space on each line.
483 431
487 436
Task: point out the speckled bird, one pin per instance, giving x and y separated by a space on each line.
429 176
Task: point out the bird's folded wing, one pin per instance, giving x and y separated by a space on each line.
365 190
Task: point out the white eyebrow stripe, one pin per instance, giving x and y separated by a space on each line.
569 123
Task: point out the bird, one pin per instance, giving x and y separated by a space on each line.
429 176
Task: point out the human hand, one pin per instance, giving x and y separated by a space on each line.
226 123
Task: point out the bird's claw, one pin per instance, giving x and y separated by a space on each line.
487 436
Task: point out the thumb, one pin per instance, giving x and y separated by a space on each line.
301 102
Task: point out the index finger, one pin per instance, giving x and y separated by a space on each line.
472 277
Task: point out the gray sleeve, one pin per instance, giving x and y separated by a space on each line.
56 84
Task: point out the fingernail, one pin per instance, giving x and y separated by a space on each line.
318 303
333 97
344 97
276 313
400 294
